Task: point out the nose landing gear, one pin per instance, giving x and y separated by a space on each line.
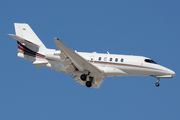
157 83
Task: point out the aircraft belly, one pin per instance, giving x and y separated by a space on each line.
127 70
110 71
58 66
142 71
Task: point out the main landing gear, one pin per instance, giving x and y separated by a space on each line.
157 83
88 83
84 78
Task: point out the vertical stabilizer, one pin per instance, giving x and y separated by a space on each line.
24 31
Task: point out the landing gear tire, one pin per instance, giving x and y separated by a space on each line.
157 84
88 84
83 77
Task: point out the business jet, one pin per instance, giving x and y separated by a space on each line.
88 69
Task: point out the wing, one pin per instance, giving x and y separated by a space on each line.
80 63
74 63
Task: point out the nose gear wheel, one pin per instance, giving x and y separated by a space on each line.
157 83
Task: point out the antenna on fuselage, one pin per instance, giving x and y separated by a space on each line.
108 52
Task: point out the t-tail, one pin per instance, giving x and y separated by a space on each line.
30 46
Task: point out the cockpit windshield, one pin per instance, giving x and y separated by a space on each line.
150 61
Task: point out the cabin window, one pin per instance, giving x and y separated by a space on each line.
110 59
150 61
105 59
122 60
116 59
99 59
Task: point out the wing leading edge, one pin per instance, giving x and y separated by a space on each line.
78 61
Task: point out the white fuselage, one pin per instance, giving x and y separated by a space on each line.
125 65
114 65
111 64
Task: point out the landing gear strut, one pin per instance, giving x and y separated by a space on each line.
89 83
157 83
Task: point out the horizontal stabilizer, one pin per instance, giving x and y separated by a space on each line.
22 40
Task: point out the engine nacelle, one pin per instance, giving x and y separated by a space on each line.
26 57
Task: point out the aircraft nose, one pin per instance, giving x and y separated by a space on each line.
171 72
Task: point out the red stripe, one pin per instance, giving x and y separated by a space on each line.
21 48
40 55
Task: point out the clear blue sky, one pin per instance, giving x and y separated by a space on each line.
148 28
